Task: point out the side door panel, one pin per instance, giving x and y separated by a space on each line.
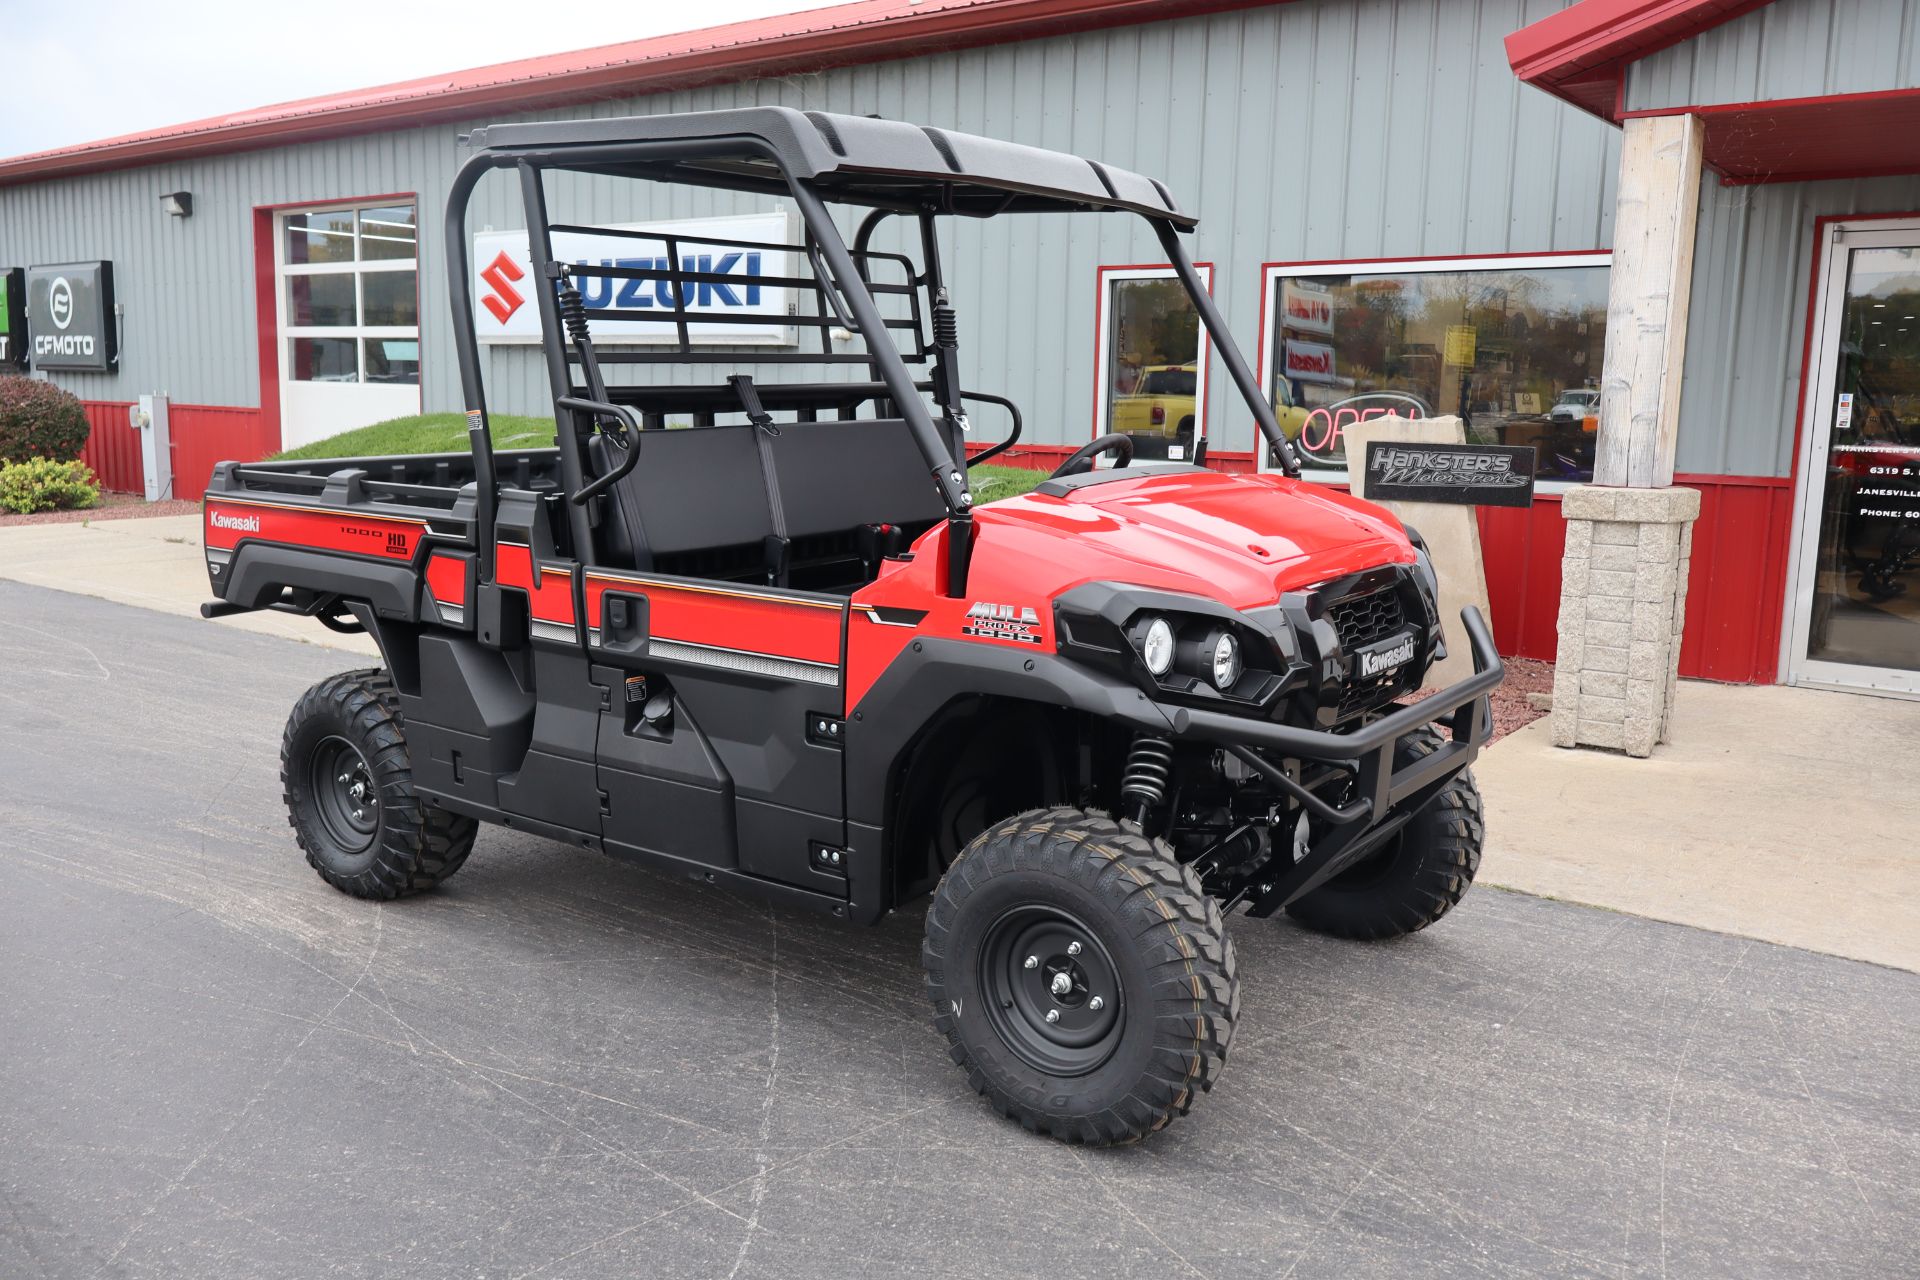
744 768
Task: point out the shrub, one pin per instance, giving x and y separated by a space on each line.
39 420
44 484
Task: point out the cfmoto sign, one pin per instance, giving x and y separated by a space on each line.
70 318
60 302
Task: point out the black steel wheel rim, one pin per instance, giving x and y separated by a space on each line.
345 798
1039 960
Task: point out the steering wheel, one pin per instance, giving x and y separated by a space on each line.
1082 458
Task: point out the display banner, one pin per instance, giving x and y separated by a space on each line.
1309 361
1306 307
70 317
504 309
1479 475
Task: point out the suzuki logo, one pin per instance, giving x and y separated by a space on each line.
60 302
505 299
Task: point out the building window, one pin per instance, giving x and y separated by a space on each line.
1152 361
350 295
1512 345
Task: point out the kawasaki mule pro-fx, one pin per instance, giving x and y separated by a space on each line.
758 633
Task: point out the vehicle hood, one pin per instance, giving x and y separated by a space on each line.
1240 539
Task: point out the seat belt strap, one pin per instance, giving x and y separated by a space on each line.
764 434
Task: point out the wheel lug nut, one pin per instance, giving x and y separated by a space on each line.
1073 948
1053 1015
1096 1004
1033 962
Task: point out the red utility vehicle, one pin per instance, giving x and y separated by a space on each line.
775 647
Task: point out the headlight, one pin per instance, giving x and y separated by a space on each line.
1225 660
1156 647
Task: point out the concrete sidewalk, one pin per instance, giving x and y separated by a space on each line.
1781 814
1789 815
155 564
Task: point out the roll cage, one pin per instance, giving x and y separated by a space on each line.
815 159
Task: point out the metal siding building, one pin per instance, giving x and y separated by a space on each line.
1301 133
1352 162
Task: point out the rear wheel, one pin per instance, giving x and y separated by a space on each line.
1419 876
348 782
1081 977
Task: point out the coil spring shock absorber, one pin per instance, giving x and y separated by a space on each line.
1143 787
946 323
573 311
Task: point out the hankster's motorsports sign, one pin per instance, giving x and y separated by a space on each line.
70 320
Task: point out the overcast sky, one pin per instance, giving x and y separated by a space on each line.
78 70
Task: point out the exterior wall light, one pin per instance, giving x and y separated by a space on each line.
178 203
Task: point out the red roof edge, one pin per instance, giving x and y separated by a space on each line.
1580 54
863 31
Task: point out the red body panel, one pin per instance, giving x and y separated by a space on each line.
229 521
550 598
447 578
1240 540
725 617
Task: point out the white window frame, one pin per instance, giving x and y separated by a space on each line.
285 271
1103 329
1272 275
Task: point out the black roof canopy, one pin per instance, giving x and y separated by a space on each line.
852 159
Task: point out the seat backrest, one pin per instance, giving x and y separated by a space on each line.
835 476
694 488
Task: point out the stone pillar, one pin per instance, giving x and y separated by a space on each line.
1623 586
1623 599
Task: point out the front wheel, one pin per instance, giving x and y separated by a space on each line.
1419 876
348 781
1080 975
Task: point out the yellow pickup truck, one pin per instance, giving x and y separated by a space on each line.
1160 410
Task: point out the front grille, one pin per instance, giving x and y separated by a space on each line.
1362 620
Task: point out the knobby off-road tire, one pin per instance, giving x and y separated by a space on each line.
1421 874
1110 916
379 841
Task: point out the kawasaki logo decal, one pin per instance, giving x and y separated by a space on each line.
239 524
1373 662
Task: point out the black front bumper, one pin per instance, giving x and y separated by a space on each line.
1384 797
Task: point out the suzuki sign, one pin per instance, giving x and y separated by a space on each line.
70 318
504 286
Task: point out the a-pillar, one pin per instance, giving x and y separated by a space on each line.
1623 592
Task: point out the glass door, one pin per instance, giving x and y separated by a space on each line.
1857 600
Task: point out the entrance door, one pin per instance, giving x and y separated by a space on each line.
1856 606
349 319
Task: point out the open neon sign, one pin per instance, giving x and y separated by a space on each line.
1323 435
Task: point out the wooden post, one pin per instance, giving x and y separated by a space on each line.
1653 233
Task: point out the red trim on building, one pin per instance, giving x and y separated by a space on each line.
266 319
1580 54
113 447
203 435
1736 586
865 31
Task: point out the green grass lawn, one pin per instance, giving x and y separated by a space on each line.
447 433
424 433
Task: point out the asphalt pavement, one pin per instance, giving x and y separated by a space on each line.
557 1065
